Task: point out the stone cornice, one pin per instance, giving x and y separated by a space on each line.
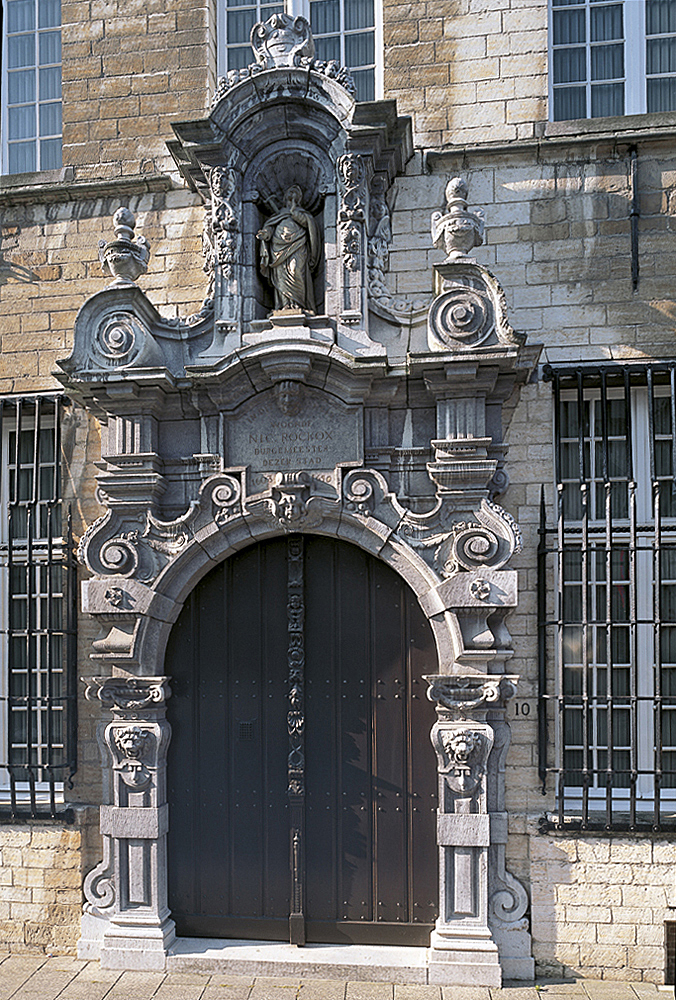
61 185
635 130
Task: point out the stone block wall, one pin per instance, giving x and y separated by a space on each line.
42 865
468 71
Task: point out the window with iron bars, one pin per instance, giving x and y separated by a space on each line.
607 599
37 611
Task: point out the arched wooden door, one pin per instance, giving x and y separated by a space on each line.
364 866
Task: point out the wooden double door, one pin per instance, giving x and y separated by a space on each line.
302 785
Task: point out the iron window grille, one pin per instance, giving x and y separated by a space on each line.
607 600
37 612
347 31
612 57
30 124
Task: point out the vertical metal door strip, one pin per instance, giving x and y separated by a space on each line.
296 728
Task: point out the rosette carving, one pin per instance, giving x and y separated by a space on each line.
461 317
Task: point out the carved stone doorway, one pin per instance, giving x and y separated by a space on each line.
302 782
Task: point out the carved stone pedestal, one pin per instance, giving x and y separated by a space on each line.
462 948
126 922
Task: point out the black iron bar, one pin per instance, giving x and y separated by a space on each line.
560 670
542 643
633 629
607 486
584 624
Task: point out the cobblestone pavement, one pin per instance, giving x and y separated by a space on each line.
36 977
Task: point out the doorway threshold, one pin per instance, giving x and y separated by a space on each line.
381 963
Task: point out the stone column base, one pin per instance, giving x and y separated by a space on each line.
468 959
137 946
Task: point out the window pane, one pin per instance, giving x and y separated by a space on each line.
20 15
49 13
606 23
570 66
50 159
21 125
50 47
21 86
50 83
570 102
607 62
239 3
325 16
569 27
50 119
358 14
662 95
238 58
328 48
21 51
607 100
661 55
360 49
660 16
365 82
240 23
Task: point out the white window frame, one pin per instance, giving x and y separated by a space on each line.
573 798
635 69
4 96
301 8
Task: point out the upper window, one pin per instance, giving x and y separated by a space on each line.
612 58
31 85
347 31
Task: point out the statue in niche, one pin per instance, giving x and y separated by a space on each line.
290 252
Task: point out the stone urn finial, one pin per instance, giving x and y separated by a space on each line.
457 230
124 258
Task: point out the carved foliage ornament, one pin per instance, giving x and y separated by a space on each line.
125 694
224 218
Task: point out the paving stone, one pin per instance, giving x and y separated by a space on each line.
226 993
465 993
322 989
416 992
224 981
369 991
515 993
261 992
599 990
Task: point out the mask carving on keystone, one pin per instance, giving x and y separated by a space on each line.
289 397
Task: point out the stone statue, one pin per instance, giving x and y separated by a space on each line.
290 252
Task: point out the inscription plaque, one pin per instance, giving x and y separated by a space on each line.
323 433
